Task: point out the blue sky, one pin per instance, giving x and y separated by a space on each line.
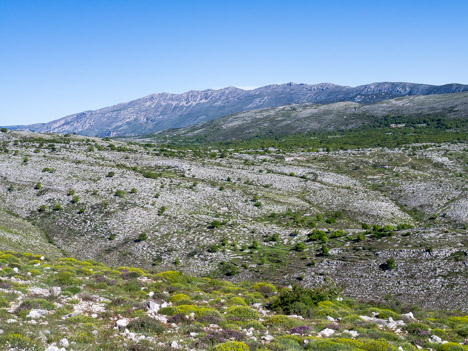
61 57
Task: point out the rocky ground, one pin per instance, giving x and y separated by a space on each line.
241 213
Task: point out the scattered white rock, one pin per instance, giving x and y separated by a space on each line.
353 333
331 319
326 333
435 339
36 314
55 291
64 342
39 291
175 344
121 324
153 306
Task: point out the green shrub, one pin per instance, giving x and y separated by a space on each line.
119 193
236 301
329 345
451 346
228 268
178 297
36 304
16 342
242 313
281 321
265 289
299 247
300 300
232 346
146 325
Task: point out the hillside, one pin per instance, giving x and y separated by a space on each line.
283 216
304 118
163 111
67 304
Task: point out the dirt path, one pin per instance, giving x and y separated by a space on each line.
405 163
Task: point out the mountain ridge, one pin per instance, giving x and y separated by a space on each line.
302 118
161 111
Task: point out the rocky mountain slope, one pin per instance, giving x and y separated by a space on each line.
303 118
163 111
264 214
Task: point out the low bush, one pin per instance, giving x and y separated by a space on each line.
300 300
146 325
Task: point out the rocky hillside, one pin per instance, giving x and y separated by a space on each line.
164 111
376 221
299 119
66 304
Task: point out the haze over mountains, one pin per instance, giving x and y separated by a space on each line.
163 111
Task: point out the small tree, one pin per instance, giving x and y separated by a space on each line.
161 210
215 224
142 237
213 249
38 186
75 199
391 263
110 174
324 250
255 245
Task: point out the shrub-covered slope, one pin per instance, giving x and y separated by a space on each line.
66 304
306 215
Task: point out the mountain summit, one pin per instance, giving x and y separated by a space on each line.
163 111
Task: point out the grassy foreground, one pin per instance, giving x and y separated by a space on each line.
66 304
